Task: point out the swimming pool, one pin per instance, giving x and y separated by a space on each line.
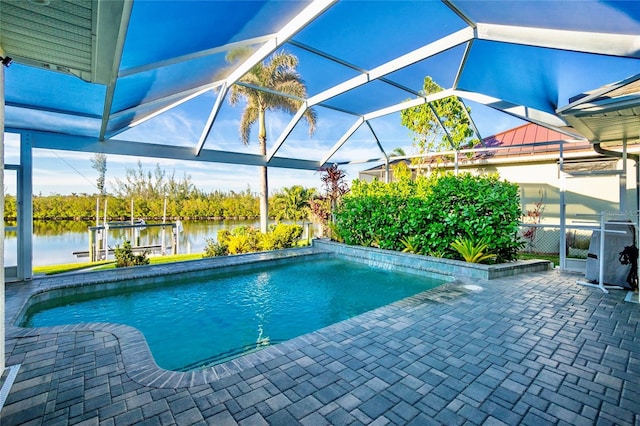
192 323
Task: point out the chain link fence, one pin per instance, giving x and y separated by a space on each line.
545 239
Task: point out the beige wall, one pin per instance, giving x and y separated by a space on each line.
583 194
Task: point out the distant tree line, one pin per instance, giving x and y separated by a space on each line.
148 190
213 205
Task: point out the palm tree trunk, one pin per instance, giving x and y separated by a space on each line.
264 200
264 186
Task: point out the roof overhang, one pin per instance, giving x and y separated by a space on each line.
76 38
608 115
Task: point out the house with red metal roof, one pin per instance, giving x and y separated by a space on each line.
544 163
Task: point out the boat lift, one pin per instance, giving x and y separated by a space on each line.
99 240
99 236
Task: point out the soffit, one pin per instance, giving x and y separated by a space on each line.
71 37
610 114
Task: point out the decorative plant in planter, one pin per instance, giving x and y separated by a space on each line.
533 217
472 251
323 208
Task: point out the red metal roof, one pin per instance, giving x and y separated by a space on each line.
537 139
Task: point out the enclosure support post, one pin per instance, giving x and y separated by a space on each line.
105 232
25 209
563 212
174 244
601 254
91 245
2 331
623 179
387 178
133 230
163 249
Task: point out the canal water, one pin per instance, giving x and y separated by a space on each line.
55 242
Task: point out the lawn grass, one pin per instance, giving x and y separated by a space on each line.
68 267
111 264
550 257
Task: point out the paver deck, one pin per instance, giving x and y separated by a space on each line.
533 349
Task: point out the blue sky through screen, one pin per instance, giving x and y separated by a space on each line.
387 29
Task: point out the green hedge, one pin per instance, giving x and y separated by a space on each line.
428 214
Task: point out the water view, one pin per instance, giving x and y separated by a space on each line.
54 242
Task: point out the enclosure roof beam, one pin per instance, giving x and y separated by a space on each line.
175 99
59 141
105 8
409 104
287 131
377 140
180 99
196 55
542 118
342 140
578 41
403 61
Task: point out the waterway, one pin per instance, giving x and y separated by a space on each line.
55 242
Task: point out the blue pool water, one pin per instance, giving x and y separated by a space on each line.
194 323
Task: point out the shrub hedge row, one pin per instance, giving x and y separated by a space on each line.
428 214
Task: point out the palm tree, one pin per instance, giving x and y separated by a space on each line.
397 152
296 202
278 75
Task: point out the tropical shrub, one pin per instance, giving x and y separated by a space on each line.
125 256
472 251
320 212
432 212
322 207
243 239
238 244
411 245
281 236
246 239
214 248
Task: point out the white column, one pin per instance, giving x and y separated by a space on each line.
622 205
563 211
25 209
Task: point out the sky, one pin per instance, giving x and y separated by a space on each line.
67 172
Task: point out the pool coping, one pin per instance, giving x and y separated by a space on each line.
383 258
138 360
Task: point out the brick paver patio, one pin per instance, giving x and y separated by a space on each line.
533 349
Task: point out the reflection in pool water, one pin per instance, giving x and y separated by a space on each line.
193 323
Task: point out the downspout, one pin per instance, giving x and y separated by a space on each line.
635 157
